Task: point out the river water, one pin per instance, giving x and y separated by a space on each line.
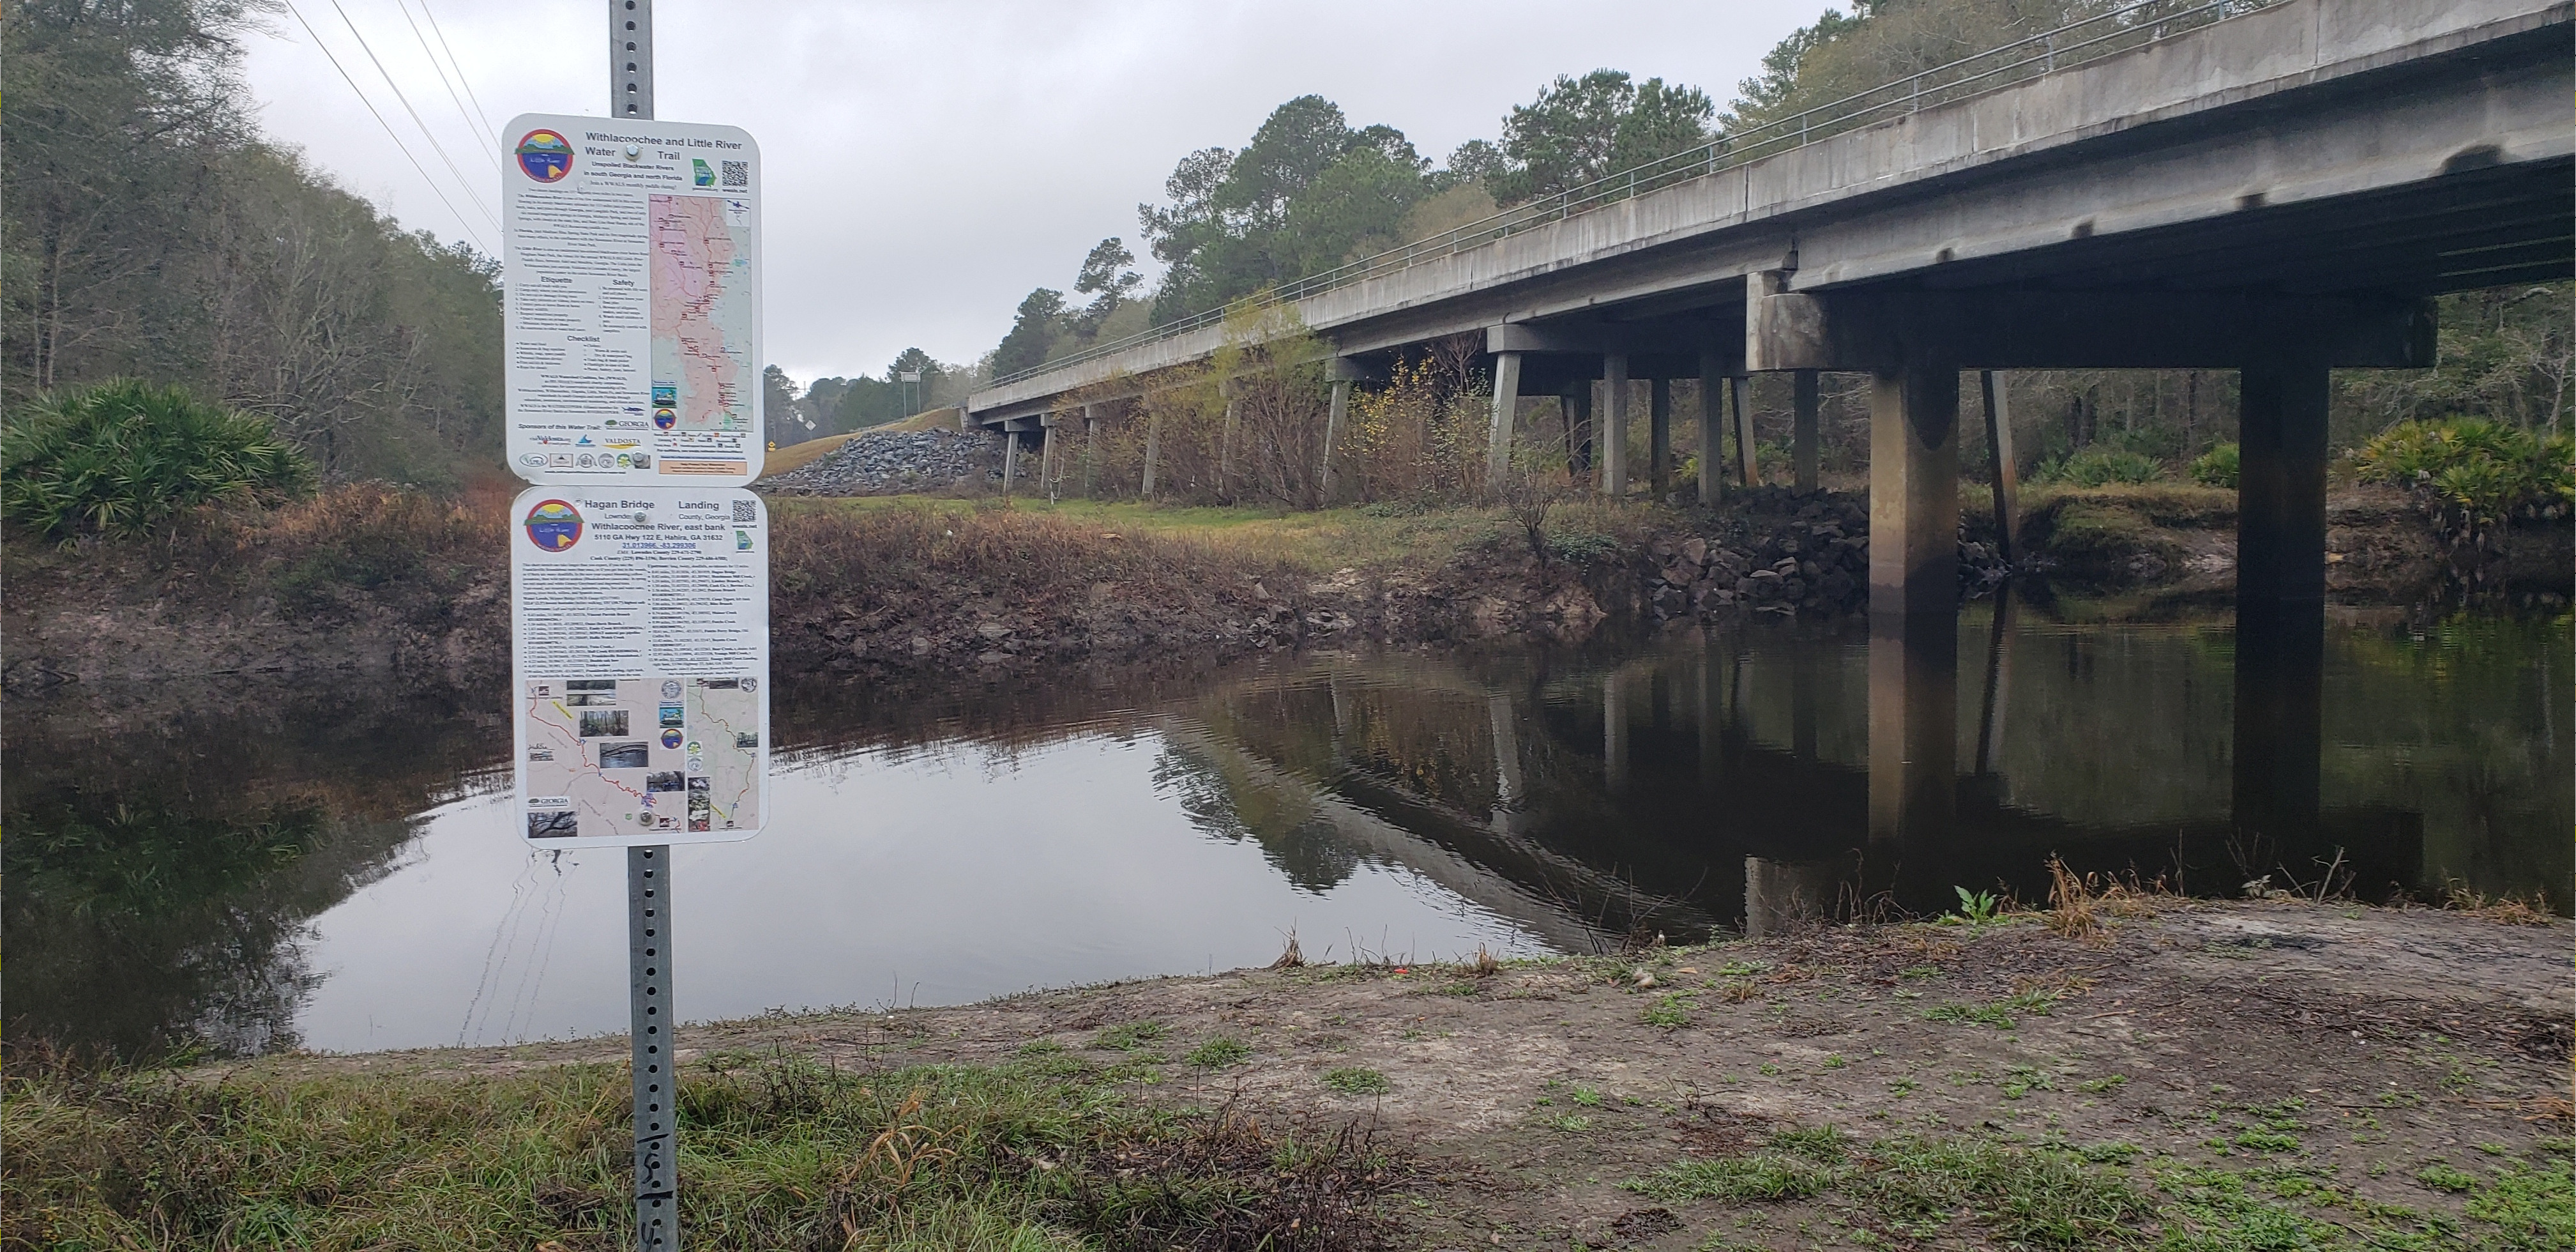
335 868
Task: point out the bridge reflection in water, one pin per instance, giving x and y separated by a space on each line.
1755 778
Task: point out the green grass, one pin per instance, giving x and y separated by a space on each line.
2532 1208
1219 1052
1970 1014
1917 1187
1668 1012
2440 1176
1354 1080
1923 1189
776 1154
1130 1036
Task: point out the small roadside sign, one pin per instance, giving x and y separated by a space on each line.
631 301
639 619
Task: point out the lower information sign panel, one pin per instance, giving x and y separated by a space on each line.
640 664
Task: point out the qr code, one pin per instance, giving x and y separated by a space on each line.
737 173
745 512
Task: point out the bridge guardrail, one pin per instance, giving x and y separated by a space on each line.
2118 29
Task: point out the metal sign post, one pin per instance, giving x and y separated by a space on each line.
648 969
648 869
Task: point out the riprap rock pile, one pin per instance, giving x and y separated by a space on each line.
886 463
1785 552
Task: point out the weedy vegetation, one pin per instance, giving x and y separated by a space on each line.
1038 1154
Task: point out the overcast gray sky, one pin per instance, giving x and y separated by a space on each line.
929 163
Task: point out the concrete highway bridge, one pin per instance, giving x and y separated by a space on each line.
2276 188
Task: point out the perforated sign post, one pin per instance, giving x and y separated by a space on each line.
639 570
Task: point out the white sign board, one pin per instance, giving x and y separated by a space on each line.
630 268
640 664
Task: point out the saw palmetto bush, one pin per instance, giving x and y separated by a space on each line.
2489 470
124 456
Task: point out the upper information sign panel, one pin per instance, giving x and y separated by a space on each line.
631 273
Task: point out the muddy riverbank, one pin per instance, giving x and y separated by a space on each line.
378 584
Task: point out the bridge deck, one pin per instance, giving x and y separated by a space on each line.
2391 146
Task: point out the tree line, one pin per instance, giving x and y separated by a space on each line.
147 230
914 383
1311 191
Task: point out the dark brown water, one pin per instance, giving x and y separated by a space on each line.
248 869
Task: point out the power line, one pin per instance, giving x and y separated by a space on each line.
483 137
460 70
461 219
405 101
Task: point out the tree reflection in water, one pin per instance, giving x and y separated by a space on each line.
164 866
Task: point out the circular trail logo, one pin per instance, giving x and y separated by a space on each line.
545 156
554 526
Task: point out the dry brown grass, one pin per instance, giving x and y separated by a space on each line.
1015 551
2079 905
358 517
2507 910
1292 957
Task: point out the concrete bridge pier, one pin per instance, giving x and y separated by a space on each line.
1614 425
1047 454
1334 416
1802 432
2280 605
1507 404
2001 459
1577 410
1225 439
1153 449
1740 390
1659 437
1090 442
1914 491
1712 442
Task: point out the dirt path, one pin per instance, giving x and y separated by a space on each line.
2330 1062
